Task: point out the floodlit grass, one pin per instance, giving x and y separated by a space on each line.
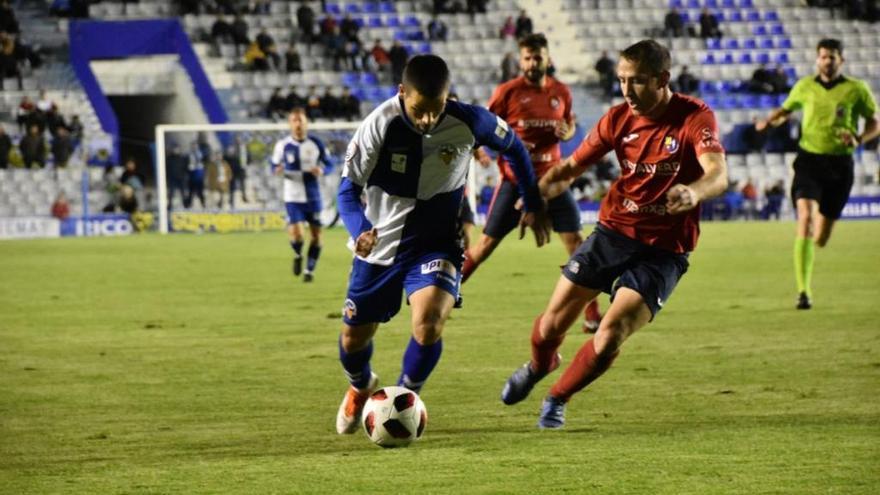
197 364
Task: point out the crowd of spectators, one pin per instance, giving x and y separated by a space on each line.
329 106
16 56
192 173
676 25
36 122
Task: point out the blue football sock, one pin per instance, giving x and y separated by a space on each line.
314 254
357 364
297 247
418 362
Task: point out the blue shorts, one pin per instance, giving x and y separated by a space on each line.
374 291
504 217
607 261
303 212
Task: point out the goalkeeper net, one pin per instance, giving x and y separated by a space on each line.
218 177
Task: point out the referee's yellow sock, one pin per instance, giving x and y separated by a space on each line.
804 250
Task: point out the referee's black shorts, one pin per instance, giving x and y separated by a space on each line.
827 179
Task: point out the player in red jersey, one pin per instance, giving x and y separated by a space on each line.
538 107
671 159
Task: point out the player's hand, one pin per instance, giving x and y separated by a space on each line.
538 223
365 242
761 125
681 198
316 171
278 170
848 139
562 129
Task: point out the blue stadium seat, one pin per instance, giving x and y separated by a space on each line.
771 16
359 21
719 14
753 16
387 7
400 35
731 44
411 21
780 99
369 79
710 4
711 100
685 17
728 102
790 73
746 4
785 43
760 30
729 86
745 58
708 87
708 59
675 4
359 93
392 21
767 101
781 58
425 48
728 4
350 78
748 100
777 30
750 44
352 8
735 16
371 8
763 58
375 93
767 43
726 59
416 35
389 92
713 44
694 4
374 22
333 8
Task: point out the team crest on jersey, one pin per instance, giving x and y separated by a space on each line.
670 144
398 163
554 102
350 309
501 129
446 153
291 156
353 153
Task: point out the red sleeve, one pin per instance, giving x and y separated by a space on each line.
596 145
496 102
567 116
702 132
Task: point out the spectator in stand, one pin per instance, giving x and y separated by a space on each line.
779 80
60 207
292 60
349 105
276 109
232 156
380 56
476 6
329 104
437 30
127 200
313 103
487 192
762 81
673 24
508 30
349 28
261 7
327 25
398 56
753 139
775 195
709 24
176 168
750 199
267 45
8 22
8 64
196 177
687 83
255 59
305 19
335 44
240 33
221 32
33 148
219 175
23 113
523 25
354 55
5 147
62 147
607 70
509 66
130 175
293 99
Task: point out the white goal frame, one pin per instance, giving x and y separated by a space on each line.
162 129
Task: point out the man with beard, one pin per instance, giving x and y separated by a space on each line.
538 108
823 170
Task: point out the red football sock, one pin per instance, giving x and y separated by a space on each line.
586 367
543 350
468 267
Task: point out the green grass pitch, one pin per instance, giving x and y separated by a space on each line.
198 364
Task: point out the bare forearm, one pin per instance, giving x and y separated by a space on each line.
713 183
557 180
778 117
872 130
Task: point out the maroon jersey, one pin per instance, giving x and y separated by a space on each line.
533 112
654 155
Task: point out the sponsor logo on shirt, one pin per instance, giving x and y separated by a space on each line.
554 102
447 152
398 163
574 266
661 168
532 123
670 144
440 265
350 309
708 138
525 99
629 137
649 209
291 157
502 128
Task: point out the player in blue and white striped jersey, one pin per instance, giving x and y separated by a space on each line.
409 160
301 159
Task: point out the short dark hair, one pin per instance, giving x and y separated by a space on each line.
428 74
298 109
534 41
650 55
830 44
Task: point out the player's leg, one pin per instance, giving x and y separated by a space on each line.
431 285
373 297
835 194
314 244
806 191
295 217
500 220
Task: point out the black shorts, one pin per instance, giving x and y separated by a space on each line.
465 213
504 217
827 179
608 260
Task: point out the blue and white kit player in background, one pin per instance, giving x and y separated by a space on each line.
409 158
302 160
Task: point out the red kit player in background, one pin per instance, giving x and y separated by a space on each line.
538 108
671 159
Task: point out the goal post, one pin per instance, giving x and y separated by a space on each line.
336 136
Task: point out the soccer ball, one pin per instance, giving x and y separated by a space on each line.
394 417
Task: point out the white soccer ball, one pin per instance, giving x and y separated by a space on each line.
394 417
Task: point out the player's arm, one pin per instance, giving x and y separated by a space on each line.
684 197
276 157
324 159
778 116
867 108
565 129
360 159
558 179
